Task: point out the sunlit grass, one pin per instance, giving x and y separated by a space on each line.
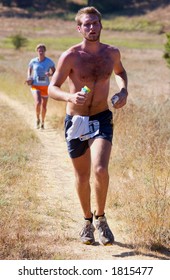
122 23
64 43
130 43
140 165
19 184
22 218
110 23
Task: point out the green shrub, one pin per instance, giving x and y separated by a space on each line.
167 50
19 41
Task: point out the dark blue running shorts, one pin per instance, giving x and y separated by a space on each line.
76 147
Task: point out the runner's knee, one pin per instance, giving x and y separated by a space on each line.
82 178
101 171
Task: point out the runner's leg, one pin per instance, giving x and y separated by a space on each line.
100 154
44 108
37 101
82 166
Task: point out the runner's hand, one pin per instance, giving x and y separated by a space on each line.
122 99
29 82
79 98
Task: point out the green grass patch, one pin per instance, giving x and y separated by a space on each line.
120 23
64 43
59 44
52 43
133 43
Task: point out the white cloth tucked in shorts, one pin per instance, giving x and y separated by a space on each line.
82 128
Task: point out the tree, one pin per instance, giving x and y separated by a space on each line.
90 3
167 50
24 3
6 3
108 5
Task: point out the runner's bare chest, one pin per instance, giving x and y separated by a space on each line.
93 68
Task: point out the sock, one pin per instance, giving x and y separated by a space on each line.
97 216
89 219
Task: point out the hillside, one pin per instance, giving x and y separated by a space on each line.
160 14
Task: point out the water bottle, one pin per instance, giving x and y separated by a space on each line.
114 99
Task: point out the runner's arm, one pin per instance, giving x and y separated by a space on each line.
64 67
29 79
60 75
121 80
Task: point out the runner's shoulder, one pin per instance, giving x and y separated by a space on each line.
113 49
71 53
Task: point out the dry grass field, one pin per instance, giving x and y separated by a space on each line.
34 219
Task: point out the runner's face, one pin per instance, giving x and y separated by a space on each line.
41 51
90 27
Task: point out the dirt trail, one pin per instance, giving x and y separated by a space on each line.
58 189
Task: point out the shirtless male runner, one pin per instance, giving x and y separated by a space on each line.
88 122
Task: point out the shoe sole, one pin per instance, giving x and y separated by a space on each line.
106 244
88 242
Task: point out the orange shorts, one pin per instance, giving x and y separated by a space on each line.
42 89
